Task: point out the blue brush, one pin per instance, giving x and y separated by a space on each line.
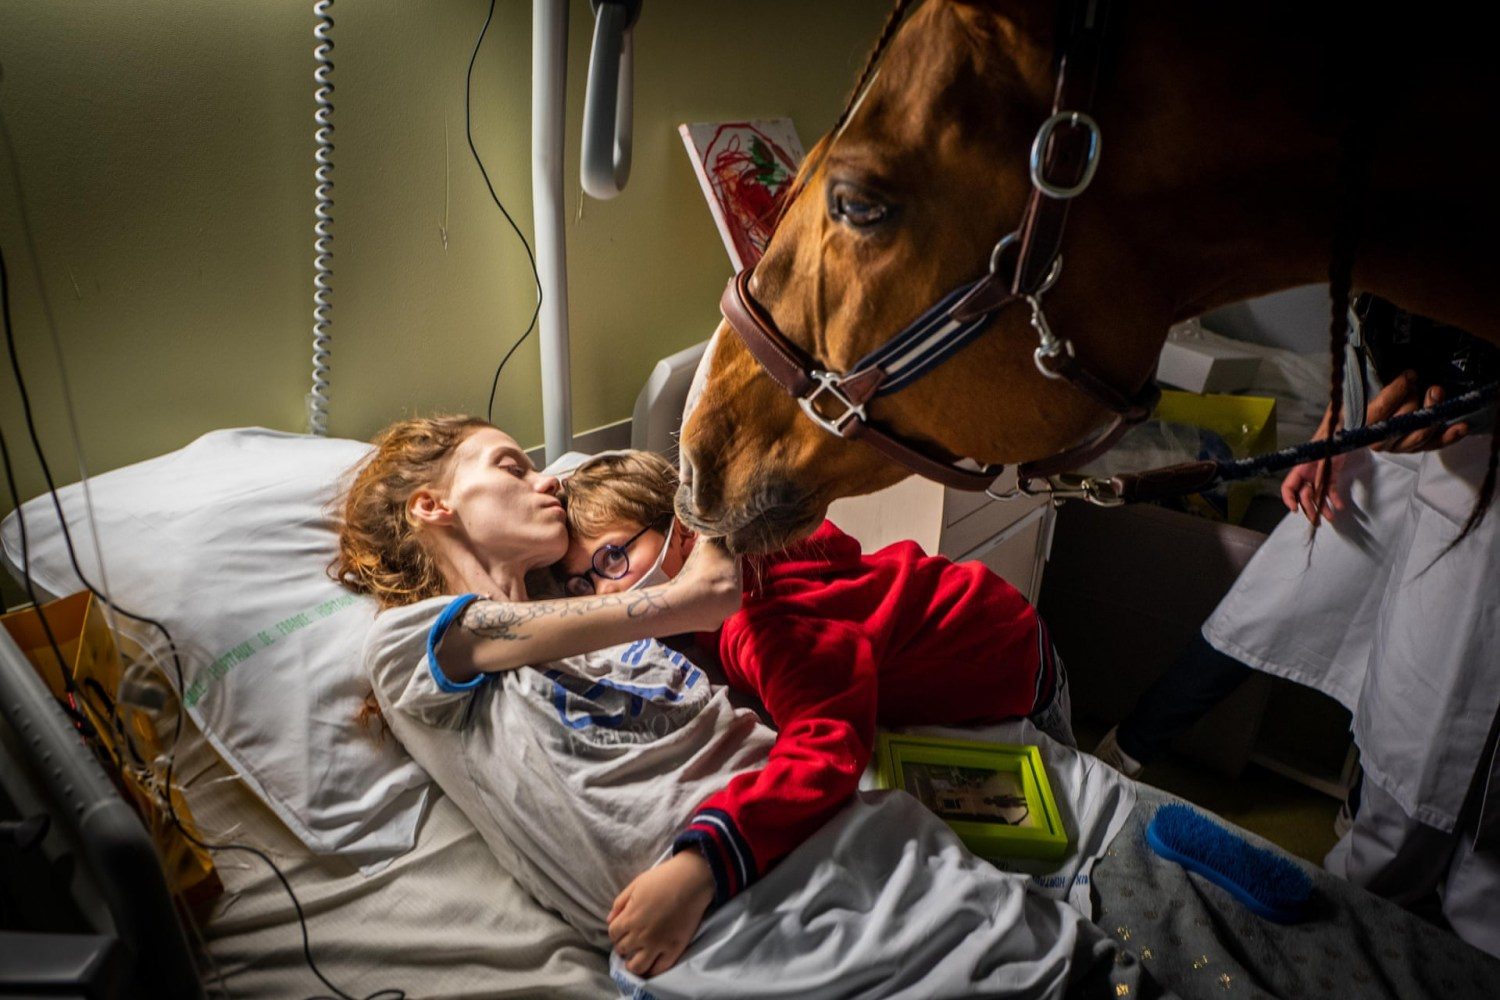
1267 883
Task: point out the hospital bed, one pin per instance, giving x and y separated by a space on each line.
444 919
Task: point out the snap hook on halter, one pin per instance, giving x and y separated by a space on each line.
1068 486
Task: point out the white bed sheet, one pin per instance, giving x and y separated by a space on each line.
442 921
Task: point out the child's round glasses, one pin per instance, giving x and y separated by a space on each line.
609 562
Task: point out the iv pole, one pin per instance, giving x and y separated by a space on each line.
604 170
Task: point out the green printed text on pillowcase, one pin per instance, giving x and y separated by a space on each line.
216 670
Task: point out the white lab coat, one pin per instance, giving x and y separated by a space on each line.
1412 651
1369 615
1305 607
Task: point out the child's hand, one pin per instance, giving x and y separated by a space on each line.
655 917
711 578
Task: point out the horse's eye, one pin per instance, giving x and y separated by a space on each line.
857 207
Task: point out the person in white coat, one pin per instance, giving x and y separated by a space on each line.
1405 633
1377 611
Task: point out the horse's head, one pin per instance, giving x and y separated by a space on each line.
892 212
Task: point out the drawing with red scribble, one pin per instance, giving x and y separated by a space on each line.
744 167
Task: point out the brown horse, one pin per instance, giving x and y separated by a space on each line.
1218 179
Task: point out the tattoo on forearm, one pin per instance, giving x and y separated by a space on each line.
509 621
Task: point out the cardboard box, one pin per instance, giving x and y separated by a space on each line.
121 738
1195 364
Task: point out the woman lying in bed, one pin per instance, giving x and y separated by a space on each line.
580 747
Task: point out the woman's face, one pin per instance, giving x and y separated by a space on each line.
508 512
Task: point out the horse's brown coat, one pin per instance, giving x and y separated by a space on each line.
1216 183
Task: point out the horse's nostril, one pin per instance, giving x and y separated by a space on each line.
697 497
684 503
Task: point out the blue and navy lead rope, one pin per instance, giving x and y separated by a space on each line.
1359 437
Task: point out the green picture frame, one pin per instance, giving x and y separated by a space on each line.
995 796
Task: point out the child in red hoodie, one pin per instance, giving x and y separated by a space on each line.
834 642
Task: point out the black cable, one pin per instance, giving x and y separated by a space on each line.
489 410
70 685
171 755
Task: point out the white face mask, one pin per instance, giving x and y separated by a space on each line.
656 574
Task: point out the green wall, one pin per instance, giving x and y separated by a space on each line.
165 154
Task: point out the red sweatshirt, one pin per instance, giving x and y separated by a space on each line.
834 641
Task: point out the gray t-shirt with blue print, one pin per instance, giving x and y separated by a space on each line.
577 772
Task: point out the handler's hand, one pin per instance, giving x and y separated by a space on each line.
711 581
655 917
1299 490
1401 397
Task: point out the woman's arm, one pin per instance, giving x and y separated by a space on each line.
493 636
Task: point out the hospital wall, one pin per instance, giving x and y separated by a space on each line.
160 156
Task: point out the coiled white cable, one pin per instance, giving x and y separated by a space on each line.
317 400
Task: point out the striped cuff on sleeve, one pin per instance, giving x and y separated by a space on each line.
450 615
1046 669
713 834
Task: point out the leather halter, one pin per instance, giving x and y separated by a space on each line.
1064 156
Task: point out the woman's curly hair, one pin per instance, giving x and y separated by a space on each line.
380 548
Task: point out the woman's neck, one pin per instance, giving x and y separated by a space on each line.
463 573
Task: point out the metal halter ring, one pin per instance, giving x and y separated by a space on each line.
1073 119
1053 272
832 384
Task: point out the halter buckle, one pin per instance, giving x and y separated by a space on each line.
831 383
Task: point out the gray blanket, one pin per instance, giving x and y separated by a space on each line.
885 902
1199 942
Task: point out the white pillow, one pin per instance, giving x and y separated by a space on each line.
227 542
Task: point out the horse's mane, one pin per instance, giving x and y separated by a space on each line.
887 32
819 152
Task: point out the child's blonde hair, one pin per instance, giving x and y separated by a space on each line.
380 549
637 487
